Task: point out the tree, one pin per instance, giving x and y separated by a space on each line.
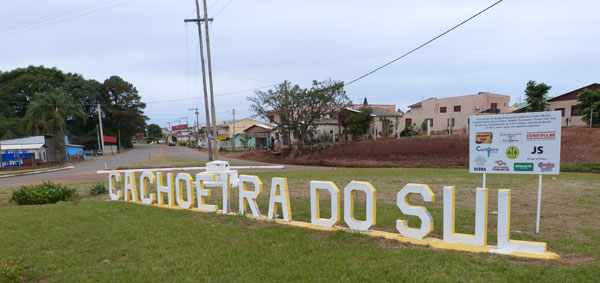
365 102
123 110
358 124
589 100
154 132
51 111
299 109
537 96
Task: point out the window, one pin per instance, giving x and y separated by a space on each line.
494 106
408 122
562 111
575 111
430 122
456 108
442 109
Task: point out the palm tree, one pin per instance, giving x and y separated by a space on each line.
50 112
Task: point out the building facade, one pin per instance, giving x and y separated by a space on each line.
567 105
452 114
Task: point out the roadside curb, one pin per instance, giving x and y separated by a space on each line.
37 172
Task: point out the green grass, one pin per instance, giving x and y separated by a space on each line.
169 161
96 240
589 167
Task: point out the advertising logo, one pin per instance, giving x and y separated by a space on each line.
538 150
546 167
488 149
483 137
512 152
538 136
480 161
501 165
528 167
511 137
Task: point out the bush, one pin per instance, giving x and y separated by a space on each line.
47 192
99 188
10 270
182 143
409 131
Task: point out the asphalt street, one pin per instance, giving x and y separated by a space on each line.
86 171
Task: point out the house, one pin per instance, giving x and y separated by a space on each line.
227 129
74 151
451 114
261 133
383 122
566 104
15 151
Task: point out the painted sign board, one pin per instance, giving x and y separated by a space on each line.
179 127
12 158
524 143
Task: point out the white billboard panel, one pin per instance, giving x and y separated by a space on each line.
526 143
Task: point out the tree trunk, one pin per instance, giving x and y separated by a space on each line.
60 144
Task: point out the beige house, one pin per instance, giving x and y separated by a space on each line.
228 128
566 103
452 113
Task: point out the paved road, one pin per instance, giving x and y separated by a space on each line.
86 171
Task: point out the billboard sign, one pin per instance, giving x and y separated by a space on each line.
525 143
179 127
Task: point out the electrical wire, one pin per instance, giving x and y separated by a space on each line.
422 45
223 8
49 22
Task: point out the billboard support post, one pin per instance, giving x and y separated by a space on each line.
484 181
539 205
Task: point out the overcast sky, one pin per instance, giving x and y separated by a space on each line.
260 42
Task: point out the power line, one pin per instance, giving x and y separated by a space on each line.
223 8
423 45
59 19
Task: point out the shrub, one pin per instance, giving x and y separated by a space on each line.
182 143
409 131
10 270
47 192
99 188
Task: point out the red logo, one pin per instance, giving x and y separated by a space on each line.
541 135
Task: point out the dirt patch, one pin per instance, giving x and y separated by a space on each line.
577 145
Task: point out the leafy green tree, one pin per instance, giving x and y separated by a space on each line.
154 132
358 124
365 102
299 109
589 100
51 111
537 96
123 110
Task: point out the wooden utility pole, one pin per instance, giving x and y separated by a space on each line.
210 80
208 124
233 136
101 130
197 125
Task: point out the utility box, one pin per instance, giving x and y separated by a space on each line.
221 170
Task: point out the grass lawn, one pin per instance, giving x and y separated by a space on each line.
169 161
98 240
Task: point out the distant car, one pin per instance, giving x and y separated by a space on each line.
171 144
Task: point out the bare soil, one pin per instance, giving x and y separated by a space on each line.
577 145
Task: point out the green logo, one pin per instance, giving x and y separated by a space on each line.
523 166
512 152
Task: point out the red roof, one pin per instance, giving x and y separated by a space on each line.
572 95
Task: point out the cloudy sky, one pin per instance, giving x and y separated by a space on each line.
263 42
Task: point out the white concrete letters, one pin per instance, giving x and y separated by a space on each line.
250 196
505 244
111 185
481 203
202 192
315 214
279 194
147 199
370 208
426 219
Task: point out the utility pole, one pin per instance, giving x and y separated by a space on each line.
198 20
101 130
98 135
119 134
233 137
197 126
210 80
